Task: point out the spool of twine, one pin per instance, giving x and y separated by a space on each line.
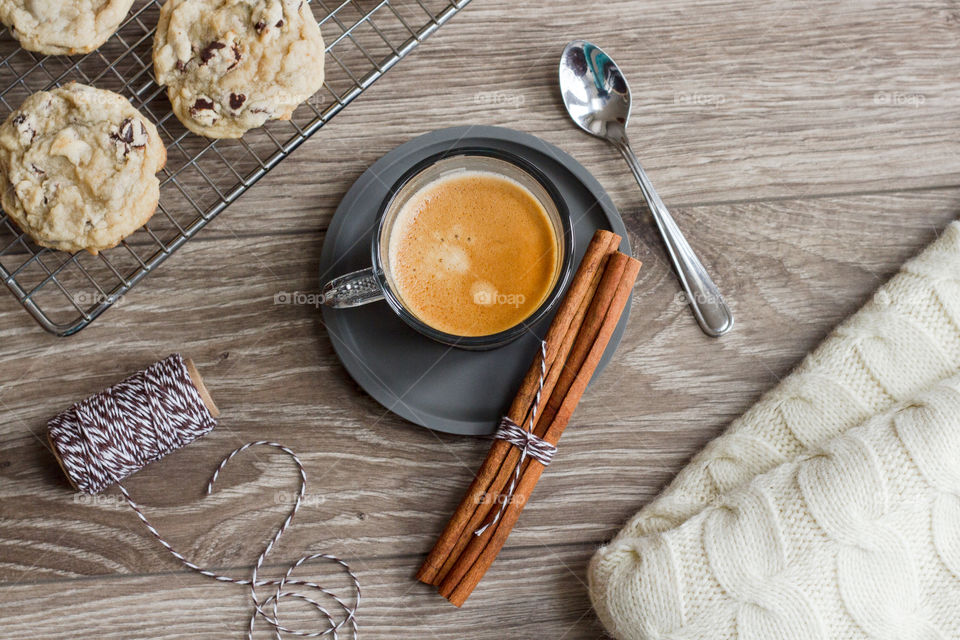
105 438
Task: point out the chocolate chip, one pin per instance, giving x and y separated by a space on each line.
124 132
181 66
237 100
208 51
279 24
131 134
201 104
260 26
25 128
236 56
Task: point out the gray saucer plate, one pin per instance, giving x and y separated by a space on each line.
428 383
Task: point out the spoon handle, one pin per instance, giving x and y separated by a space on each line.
707 304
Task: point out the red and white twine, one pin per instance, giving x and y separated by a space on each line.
107 437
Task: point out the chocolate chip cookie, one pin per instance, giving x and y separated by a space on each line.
231 65
78 168
63 27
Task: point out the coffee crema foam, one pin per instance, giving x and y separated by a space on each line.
473 254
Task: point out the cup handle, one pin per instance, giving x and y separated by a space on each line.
353 289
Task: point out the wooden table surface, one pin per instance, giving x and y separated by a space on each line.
807 148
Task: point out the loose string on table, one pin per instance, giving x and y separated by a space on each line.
110 435
530 444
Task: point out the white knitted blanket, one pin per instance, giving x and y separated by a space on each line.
831 509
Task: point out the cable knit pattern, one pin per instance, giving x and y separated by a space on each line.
855 539
647 582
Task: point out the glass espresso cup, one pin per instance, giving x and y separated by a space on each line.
379 282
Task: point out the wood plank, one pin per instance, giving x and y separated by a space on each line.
382 487
519 599
735 101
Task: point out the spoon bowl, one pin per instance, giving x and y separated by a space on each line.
595 93
597 98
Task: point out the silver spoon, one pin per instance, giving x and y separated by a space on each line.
597 97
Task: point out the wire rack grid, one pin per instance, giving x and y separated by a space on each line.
65 292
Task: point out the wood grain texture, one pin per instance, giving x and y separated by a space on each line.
765 127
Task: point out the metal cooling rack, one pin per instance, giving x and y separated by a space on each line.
65 292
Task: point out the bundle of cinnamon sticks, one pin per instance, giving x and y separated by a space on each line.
575 342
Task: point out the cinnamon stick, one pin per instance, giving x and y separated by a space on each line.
507 468
471 566
559 340
469 547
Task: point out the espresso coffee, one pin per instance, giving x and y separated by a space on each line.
473 254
